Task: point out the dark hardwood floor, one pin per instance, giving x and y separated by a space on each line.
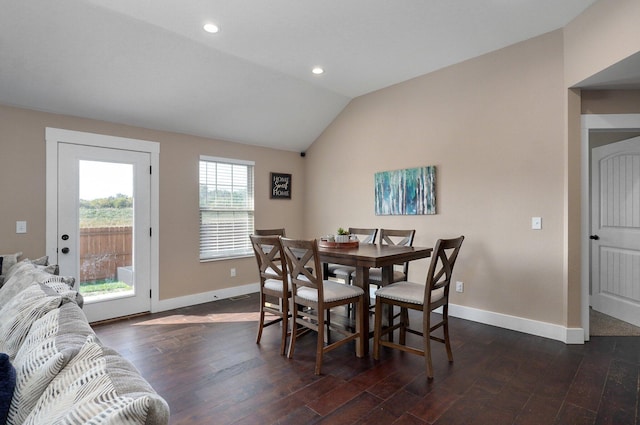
204 361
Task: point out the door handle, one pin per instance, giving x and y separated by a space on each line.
594 237
65 250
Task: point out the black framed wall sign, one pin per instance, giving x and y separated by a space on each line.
280 186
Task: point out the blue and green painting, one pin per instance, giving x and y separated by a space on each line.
406 192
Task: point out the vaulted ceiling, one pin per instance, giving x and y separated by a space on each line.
149 63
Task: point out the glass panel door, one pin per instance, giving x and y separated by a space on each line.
104 227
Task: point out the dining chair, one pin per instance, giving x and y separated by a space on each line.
387 237
268 232
275 289
421 297
313 298
393 237
343 272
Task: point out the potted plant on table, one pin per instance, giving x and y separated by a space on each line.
342 235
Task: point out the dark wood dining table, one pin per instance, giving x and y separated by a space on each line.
365 256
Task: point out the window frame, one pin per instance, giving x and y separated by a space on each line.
239 248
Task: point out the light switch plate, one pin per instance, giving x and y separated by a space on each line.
21 227
536 223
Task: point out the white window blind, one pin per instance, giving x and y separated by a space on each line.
226 208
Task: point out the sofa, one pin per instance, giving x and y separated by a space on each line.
53 367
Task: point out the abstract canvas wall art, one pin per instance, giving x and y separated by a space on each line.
411 191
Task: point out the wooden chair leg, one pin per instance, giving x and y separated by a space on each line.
364 336
285 326
377 329
447 342
320 341
328 327
261 320
294 332
426 332
404 324
427 357
390 319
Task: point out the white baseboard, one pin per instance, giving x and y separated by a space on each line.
514 323
520 324
205 297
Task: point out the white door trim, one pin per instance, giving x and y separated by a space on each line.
593 122
53 136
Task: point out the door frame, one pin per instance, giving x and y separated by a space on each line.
54 136
605 122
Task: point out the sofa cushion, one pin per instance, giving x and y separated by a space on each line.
21 311
51 343
24 274
8 260
7 385
18 267
64 286
30 265
42 261
21 276
99 386
50 268
68 281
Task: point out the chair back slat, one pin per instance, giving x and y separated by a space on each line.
268 253
269 232
368 235
398 238
440 271
303 264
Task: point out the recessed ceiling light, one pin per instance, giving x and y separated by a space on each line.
317 70
212 28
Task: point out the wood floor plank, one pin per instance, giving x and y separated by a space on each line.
204 361
619 402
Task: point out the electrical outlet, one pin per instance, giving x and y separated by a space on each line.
459 287
233 272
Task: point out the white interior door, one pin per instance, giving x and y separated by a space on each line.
615 230
103 229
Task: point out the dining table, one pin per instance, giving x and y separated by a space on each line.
365 256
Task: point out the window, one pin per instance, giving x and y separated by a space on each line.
226 208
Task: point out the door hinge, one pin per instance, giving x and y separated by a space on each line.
149 293
150 169
150 231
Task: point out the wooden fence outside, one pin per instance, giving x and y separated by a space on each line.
103 250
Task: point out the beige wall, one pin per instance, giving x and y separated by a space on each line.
22 187
606 33
610 101
572 213
494 128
